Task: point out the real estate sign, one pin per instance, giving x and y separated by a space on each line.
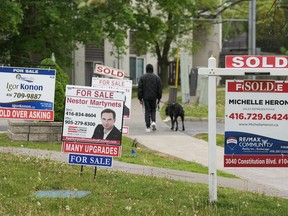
109 71
27 93
256 116
83 109
84 134
116 85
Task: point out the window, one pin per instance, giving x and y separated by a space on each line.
136 69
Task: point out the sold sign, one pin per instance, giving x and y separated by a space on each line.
246 61
258 86
108 71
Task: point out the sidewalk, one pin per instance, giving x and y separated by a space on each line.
270 181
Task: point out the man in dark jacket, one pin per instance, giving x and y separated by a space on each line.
150 94
107 130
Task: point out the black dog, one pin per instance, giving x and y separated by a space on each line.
175 110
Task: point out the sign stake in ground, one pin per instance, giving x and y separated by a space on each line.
212 160
235 66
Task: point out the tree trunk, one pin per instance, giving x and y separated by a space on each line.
163 65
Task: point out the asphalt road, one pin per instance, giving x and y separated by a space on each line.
197 127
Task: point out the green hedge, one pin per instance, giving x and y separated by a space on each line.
60 86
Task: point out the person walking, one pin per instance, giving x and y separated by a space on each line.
149 95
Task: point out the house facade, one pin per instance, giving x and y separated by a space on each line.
87 56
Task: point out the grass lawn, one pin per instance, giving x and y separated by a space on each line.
197 110
144 156
117 193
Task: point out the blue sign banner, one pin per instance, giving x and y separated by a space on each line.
90 160
18 70
253 144
39 105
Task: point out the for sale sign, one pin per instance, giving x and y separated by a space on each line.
116 85
90 160
27 93
256 117
93 115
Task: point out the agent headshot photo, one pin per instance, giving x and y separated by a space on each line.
107 130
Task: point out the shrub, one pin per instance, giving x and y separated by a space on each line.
60 86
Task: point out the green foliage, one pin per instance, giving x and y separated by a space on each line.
283 50
60 86
233 29
109 20
45 28
57 27
163 26
219 138
10 16
271 24
201 111
6 142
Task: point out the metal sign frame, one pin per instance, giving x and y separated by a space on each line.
212 72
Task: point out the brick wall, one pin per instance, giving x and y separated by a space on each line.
34 131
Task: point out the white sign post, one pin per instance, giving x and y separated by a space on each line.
184 77
238 66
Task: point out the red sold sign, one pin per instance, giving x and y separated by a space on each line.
256 61
108 71
257 86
